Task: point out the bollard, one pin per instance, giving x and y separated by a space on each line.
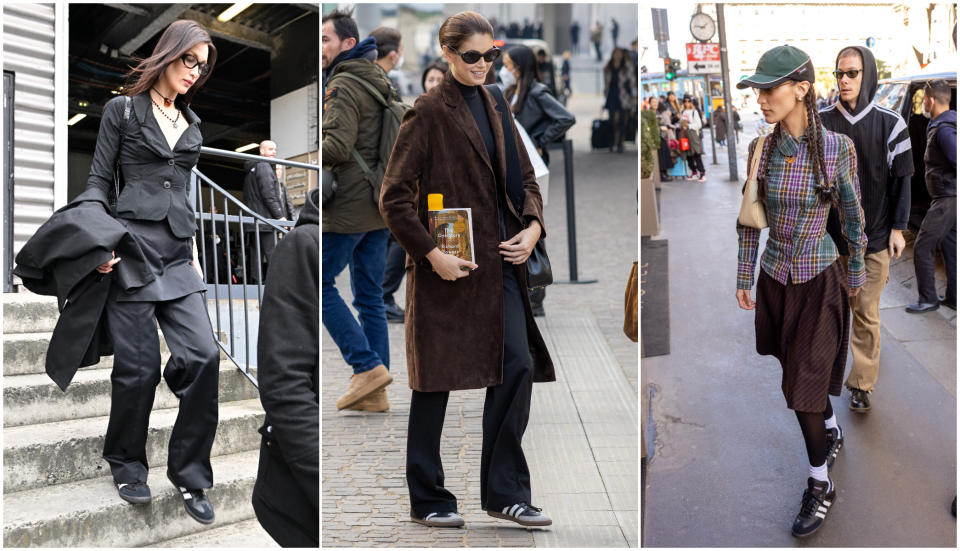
571 214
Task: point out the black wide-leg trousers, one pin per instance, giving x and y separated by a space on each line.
192 374
504 476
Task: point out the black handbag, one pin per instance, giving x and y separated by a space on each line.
539 274
329 190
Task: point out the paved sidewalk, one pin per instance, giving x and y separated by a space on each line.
581 443
727 464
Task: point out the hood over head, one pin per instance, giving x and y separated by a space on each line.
868 84
310 214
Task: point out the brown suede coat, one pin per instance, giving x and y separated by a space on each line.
454 329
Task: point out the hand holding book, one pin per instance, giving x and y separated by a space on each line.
449 267
452 230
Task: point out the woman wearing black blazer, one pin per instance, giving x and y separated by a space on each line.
468 324
543 117
155 137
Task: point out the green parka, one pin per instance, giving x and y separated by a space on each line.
352 118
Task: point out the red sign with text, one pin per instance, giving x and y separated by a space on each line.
703 51
703 58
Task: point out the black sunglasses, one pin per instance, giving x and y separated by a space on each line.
851 74
474 56
190 61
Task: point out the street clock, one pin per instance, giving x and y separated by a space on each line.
702 27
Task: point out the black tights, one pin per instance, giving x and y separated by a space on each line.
815 433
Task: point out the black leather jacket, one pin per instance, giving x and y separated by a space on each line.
155 179
543 117
263 193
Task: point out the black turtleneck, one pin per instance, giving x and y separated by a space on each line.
472 95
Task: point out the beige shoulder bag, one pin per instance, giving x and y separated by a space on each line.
753 213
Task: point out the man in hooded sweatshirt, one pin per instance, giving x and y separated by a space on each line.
884 168
354 234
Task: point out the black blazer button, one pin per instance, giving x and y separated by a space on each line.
166 185
170 162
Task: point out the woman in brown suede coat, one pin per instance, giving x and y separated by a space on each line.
468 325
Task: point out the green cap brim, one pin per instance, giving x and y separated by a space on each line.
760 80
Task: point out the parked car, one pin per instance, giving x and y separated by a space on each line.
905 96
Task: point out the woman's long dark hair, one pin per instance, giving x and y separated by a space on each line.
525 63
177 40
433 65
814 135
610 66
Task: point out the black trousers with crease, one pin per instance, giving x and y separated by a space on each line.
938 231
191 373
504 475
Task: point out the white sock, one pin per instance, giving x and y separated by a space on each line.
820 473
831 423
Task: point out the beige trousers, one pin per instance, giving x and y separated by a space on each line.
865 329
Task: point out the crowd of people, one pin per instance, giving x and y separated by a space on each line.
682 125
531 30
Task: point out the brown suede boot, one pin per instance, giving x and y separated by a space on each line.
374 402
362 384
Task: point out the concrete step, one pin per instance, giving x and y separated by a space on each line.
243 534
89 513
26 353
32 399
69 451
29 313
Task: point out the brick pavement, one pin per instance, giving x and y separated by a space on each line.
365 501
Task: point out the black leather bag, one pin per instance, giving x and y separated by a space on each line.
329 189
539 274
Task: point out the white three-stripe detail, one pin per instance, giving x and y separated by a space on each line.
821 515
827 503
515 510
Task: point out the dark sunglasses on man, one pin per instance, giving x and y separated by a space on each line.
851 74
190 61
473 56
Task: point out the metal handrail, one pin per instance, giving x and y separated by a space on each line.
244 217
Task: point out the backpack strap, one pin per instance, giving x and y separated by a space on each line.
369 87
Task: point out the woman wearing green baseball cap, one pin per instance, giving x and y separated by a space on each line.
802 310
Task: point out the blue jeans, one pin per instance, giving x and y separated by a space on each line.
364 345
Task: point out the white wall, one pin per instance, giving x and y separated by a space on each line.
293 122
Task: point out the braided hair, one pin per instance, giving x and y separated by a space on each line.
814 135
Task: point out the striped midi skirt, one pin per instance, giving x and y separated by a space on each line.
807 327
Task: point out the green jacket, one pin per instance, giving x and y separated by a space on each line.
352 118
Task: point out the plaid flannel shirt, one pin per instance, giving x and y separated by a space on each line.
798 247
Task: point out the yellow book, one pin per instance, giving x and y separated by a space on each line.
451 229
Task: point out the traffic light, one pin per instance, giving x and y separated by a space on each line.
671 67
